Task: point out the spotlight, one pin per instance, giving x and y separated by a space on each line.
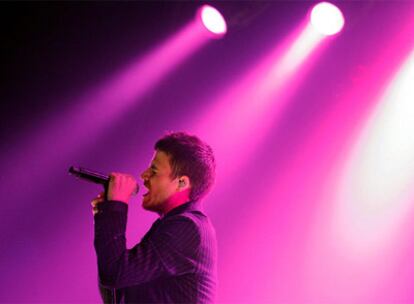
212 20
327 19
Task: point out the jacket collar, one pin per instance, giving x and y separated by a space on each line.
186 207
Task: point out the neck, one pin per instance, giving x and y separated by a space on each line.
170 207
177 199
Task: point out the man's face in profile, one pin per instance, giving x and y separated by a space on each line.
158 181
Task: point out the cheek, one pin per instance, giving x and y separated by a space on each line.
163 187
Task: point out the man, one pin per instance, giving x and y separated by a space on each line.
175 262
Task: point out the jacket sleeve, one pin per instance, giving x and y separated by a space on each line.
170 250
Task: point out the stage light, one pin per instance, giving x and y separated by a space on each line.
212 20
327 19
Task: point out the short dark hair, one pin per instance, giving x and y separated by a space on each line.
191 157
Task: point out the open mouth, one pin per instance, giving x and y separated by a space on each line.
148 192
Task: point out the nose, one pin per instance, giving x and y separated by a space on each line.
145 174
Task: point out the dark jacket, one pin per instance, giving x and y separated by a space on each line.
175 262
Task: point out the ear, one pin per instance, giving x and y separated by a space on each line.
184 183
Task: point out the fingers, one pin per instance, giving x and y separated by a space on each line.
97 200
121 187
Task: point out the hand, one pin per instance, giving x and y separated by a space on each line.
121 187
97 200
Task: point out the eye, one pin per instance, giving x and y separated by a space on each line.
153 170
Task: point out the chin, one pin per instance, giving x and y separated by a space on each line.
148 206
153 206
145 205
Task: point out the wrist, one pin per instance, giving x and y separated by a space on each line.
112 205
120 199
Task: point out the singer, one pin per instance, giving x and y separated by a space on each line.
175 262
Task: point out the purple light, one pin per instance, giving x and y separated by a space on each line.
327 19
212 20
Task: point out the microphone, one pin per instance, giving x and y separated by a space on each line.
94 177
90 176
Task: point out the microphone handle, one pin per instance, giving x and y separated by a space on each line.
89 175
